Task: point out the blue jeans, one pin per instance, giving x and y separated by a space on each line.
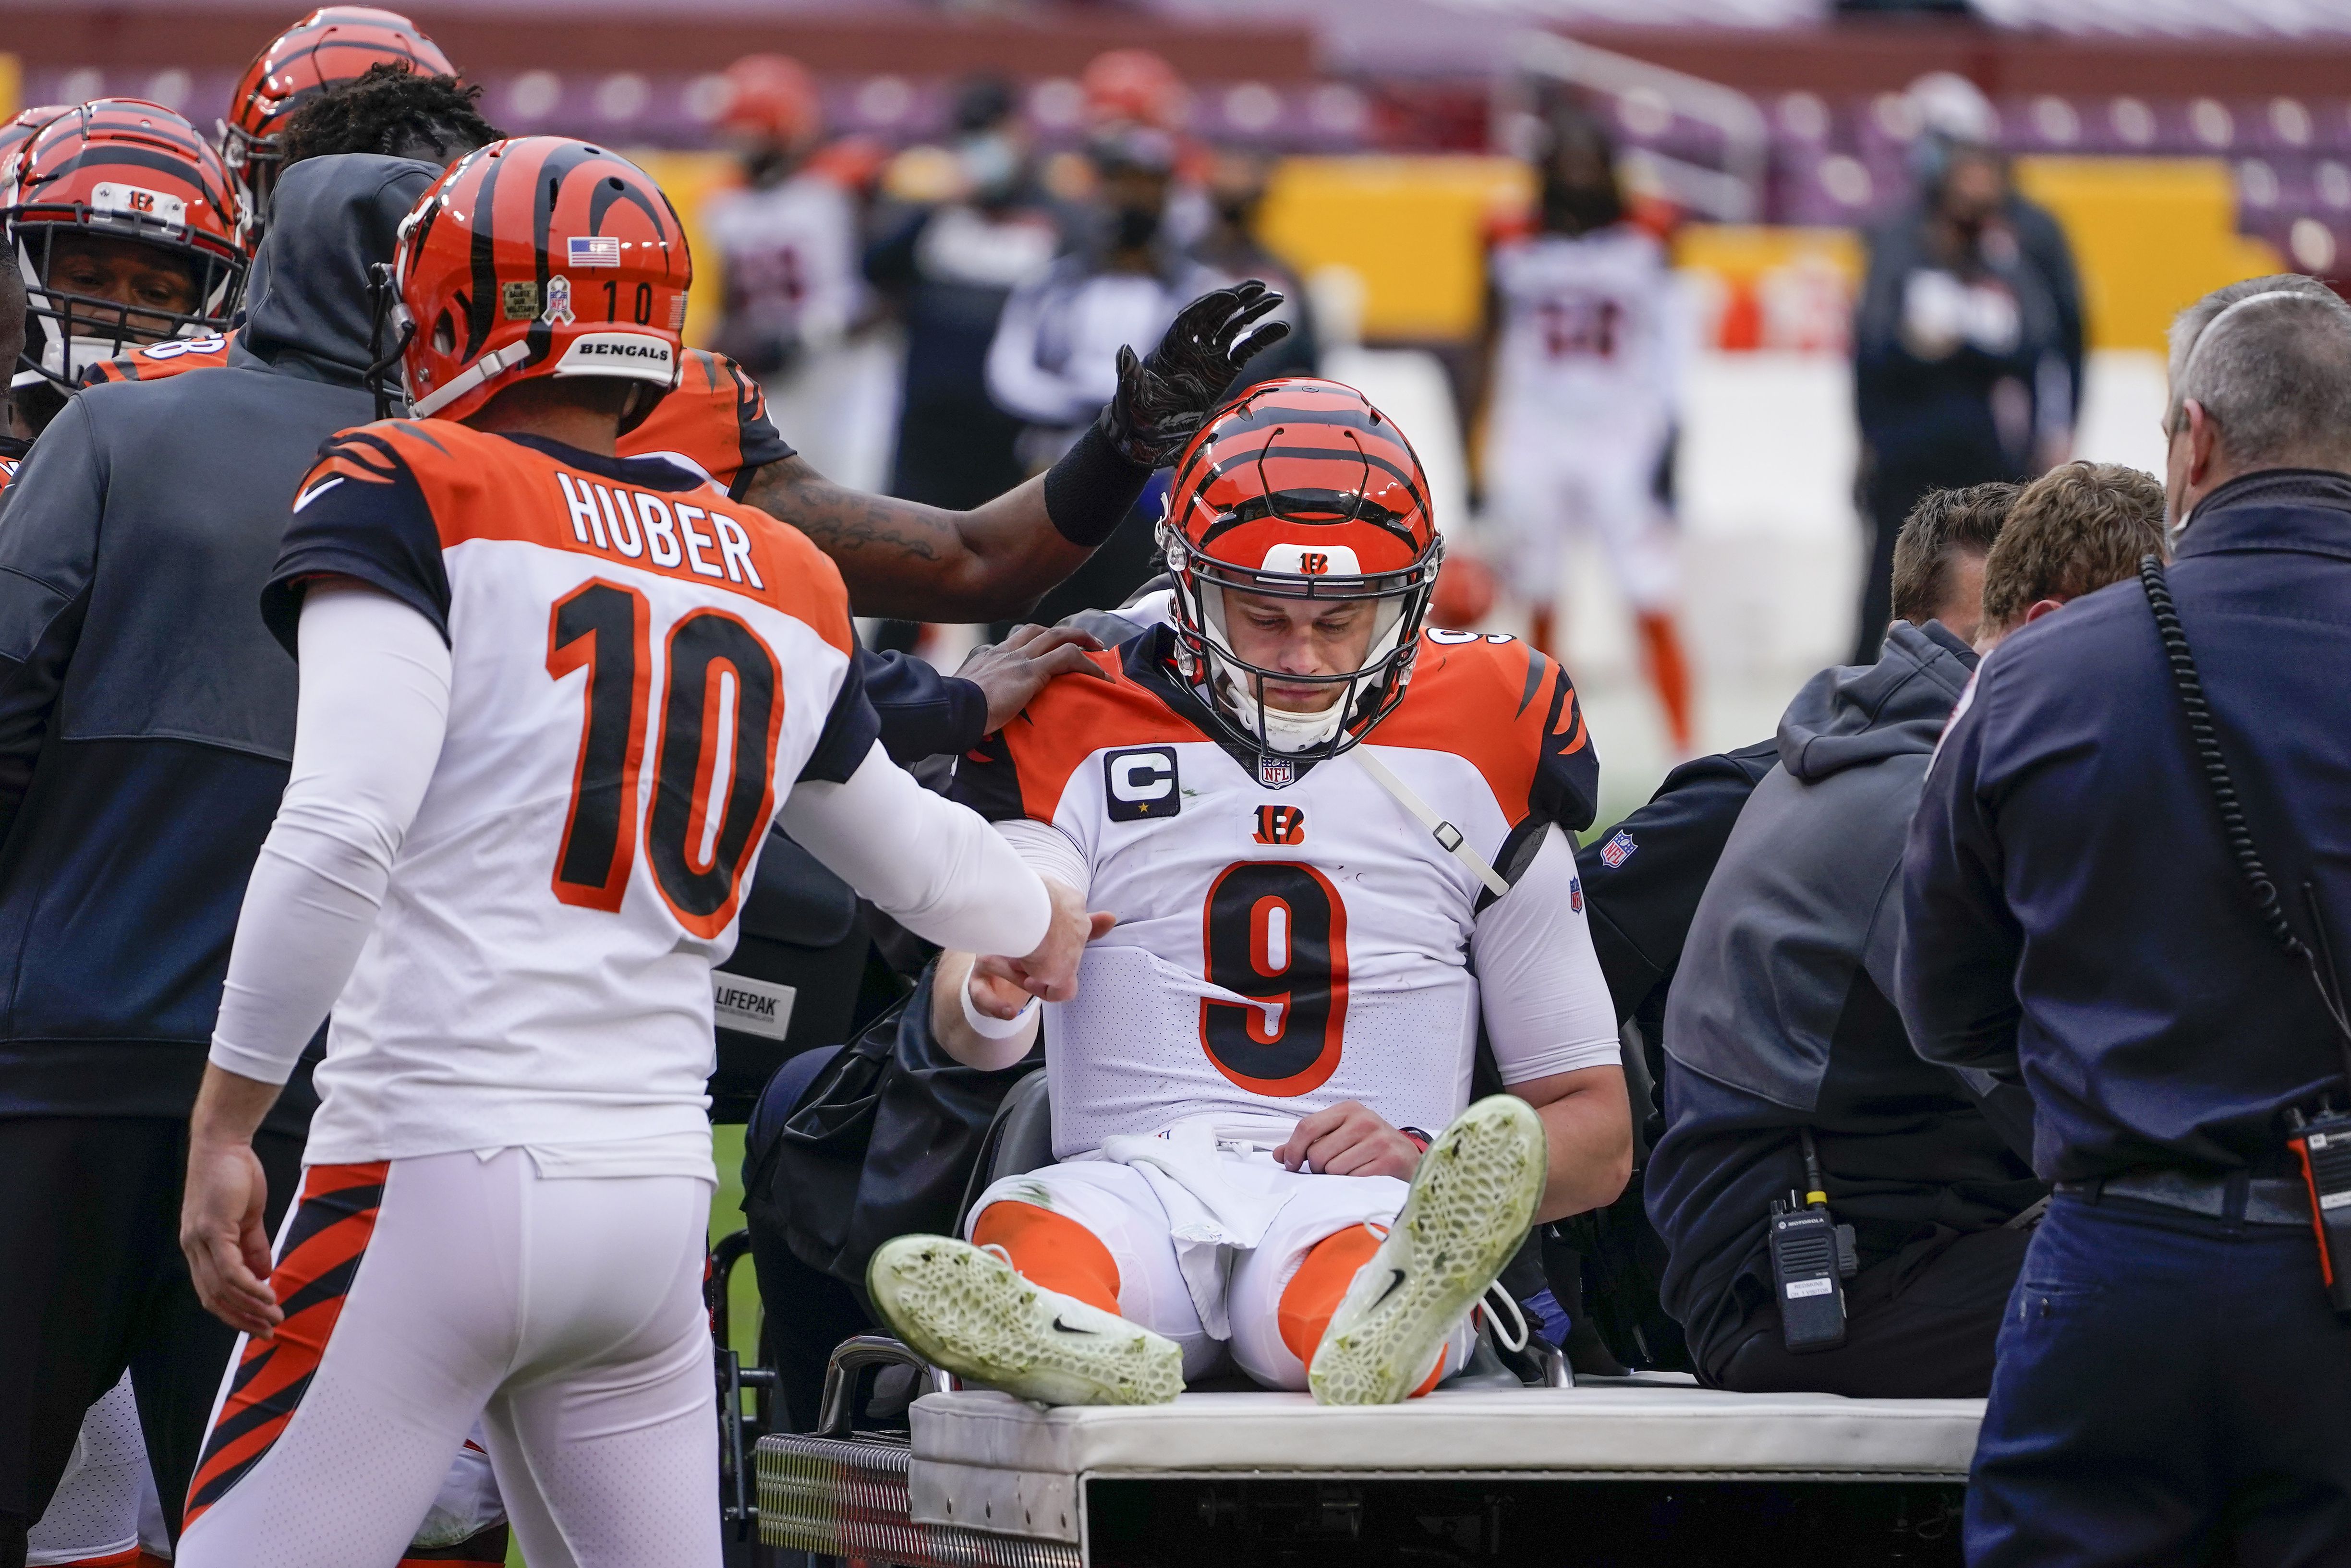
2170 1389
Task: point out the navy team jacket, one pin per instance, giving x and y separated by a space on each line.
2072 915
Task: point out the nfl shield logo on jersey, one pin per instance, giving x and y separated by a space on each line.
1618 850
1276 772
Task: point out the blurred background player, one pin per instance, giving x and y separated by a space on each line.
128 230
1967 335
1584 365
786 245
331 45
1231 247
1055 355
950 264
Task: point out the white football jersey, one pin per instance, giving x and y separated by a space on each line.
789 256
1588 327
640 669
1288 935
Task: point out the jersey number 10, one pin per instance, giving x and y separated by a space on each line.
713 789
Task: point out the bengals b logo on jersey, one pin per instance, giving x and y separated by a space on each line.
1280 825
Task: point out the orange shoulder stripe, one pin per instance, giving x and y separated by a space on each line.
1502 706
1077 715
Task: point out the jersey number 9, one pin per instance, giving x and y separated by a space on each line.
714 786
1277 932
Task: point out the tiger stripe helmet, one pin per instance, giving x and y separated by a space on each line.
13 137
1299 488
538 256
333 44
120 169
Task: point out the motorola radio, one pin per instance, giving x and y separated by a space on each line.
1812 1258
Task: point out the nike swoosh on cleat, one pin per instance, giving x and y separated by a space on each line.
1067 1328
1395 1278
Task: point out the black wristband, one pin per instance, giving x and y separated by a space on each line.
1090 491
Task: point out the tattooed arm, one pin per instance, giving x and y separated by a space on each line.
915 562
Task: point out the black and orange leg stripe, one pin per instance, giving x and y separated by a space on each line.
315 1269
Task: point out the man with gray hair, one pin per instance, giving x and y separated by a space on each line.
2126 887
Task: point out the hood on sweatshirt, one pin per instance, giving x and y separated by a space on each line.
307 308
1859 714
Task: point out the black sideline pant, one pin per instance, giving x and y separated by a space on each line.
1920 1325
92 1282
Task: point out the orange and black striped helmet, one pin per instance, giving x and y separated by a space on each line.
1300 489
13 137
141 211
538 256
333 44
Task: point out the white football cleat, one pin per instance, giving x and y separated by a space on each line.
1472 1201
971 1312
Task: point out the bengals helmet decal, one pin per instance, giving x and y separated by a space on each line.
1300 489
111 171
333 44
538 256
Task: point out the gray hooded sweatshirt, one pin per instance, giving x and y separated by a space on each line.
1779 1017
146 714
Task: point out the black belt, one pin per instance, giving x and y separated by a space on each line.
2267 1201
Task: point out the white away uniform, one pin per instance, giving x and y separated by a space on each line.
1287 940
787 257
537 755
1585 380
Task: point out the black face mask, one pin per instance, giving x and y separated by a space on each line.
1580 209
765 166
1136 227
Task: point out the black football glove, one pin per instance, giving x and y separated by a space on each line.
1162 400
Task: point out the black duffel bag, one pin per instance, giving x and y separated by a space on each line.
881 1145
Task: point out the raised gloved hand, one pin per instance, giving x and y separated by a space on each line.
1162 400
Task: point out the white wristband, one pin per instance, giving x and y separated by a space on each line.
988 1028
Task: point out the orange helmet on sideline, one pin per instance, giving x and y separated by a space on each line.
772 96
538 256
1299 488
1134 85
117 169
333 44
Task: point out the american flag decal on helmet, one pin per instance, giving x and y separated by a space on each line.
594 250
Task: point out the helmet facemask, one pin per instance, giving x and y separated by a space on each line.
1235 688
66 332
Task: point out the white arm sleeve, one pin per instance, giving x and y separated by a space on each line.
931 865
1049 851
1546 1004
368 725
